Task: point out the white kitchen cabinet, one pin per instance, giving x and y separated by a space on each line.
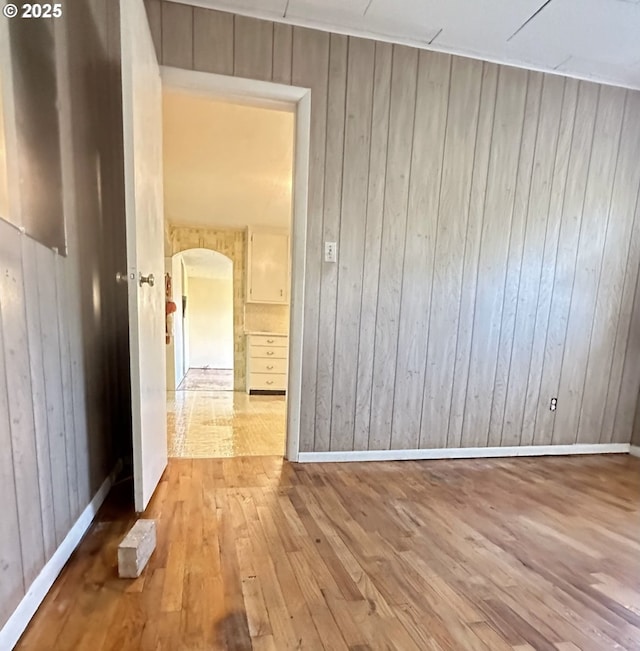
267 362
267 266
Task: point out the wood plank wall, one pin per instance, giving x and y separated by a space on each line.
489 242
64 403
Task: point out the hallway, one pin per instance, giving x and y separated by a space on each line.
206 423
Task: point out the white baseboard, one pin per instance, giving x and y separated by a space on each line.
463 453
19 620
634 450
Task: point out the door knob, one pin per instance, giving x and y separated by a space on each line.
150 280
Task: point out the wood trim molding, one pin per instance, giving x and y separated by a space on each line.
464 453
37 591
634 450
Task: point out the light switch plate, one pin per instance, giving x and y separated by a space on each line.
330 251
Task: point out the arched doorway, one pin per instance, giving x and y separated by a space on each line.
203 324
231 244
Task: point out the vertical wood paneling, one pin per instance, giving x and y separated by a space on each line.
635 437
63 384
38 393
212 41
514 260
451 221
282 53
498 210
72 279
624 421
51 364
334 153
20 406
310 67
177 35
351 243
401 120
572 205
432 98
472 252
67 389
609 432
599 373
11 577
529 283
372 241
604 156
253 48
449 318
547 275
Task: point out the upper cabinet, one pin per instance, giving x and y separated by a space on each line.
267 266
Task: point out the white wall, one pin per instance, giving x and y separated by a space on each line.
178 327
214 150
176 367
186 318
210 309
169 347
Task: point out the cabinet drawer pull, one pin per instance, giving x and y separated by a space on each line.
270 367
270 341
269 352
269 381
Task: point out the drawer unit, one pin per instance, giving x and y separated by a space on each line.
267 351
267 362
264 365
268 381
279 341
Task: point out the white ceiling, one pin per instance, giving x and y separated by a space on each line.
588 39
225 165
204 263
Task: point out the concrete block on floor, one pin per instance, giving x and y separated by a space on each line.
136 548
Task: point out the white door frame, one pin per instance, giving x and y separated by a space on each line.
297 100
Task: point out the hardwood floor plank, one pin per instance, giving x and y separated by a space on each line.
255 553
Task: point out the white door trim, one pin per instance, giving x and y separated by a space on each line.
297 100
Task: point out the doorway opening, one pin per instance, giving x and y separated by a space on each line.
203 321
231 164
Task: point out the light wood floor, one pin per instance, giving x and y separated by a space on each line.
537 553
225 424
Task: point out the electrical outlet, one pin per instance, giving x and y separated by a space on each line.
330 251
553 404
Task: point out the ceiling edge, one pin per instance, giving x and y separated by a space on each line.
421 45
